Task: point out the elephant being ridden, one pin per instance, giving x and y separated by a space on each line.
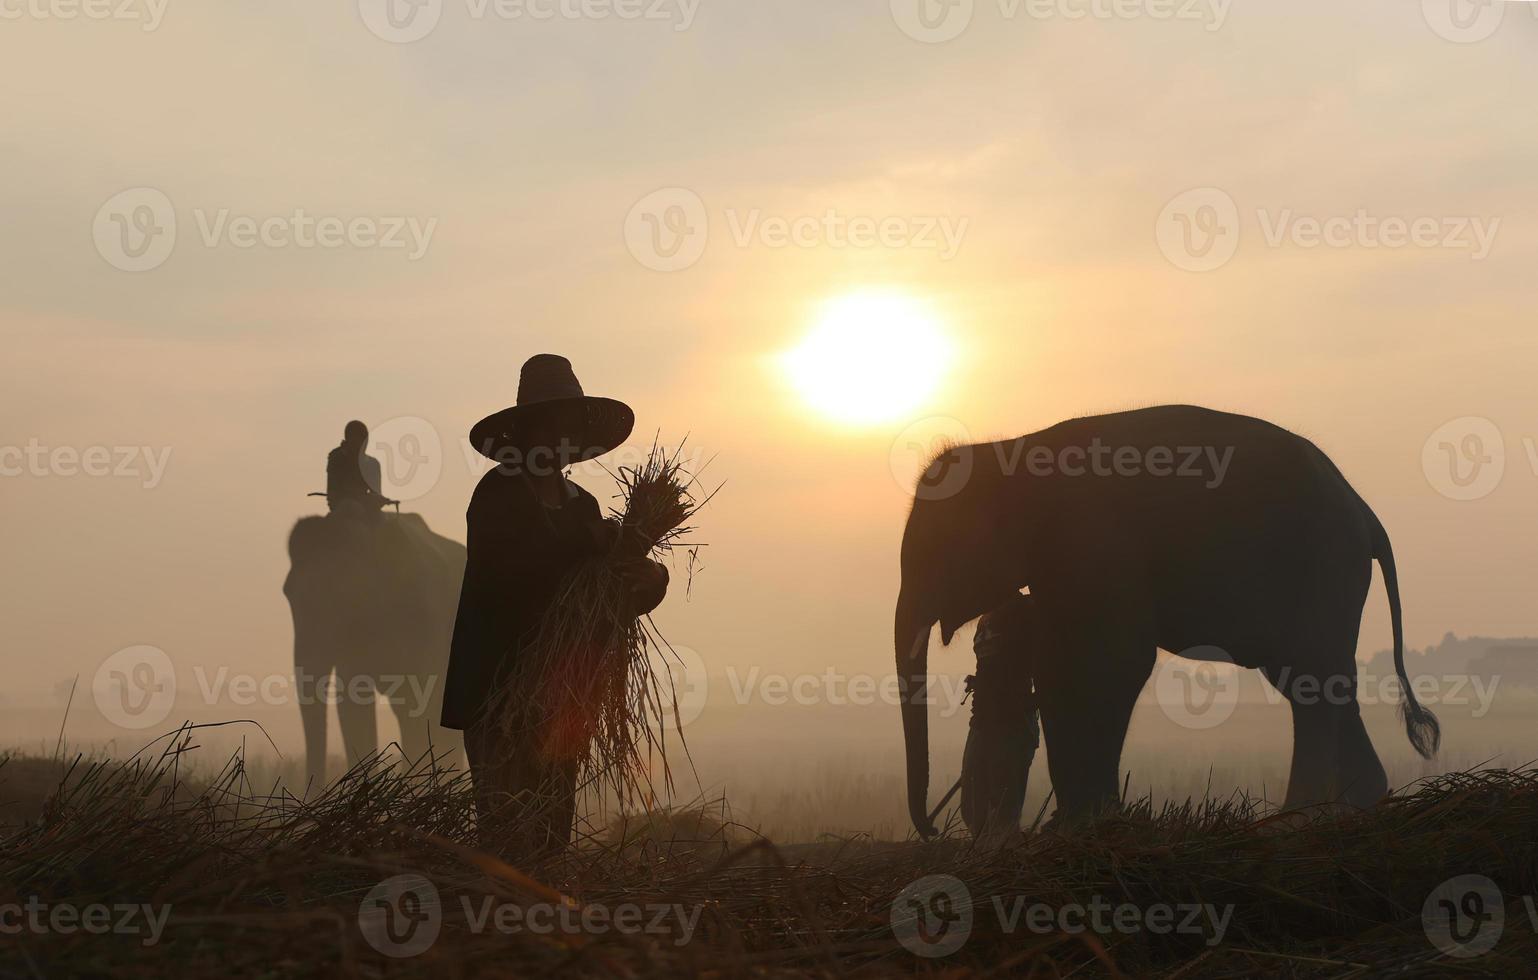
373 603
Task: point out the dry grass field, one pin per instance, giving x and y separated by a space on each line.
214 873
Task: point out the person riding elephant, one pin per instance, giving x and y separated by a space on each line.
528 528
353 478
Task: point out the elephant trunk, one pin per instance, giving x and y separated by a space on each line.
911 639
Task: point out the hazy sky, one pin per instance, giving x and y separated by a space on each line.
1051 145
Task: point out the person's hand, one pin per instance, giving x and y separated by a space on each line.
605 534
648 582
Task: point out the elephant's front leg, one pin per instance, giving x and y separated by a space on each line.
312 681
1087 688
312 716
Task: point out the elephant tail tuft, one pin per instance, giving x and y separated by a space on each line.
1422 727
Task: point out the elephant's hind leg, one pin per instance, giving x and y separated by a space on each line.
1363 783
1333 760
357 716
421 733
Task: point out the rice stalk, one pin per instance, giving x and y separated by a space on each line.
593 688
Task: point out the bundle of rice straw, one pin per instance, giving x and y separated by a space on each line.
587 688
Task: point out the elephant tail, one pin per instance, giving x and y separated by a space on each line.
1421 725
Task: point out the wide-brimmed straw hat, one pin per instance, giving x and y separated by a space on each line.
548 383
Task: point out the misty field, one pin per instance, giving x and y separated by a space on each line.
788 862
222 876
783 848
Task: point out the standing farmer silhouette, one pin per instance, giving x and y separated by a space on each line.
528 527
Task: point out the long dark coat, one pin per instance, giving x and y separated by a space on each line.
519 553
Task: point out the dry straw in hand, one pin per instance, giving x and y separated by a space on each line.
588 686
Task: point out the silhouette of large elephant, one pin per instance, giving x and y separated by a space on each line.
373 606
1170 527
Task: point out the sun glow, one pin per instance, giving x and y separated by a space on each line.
869 357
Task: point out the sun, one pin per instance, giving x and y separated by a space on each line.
869 357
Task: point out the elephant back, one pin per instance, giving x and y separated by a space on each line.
387 588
